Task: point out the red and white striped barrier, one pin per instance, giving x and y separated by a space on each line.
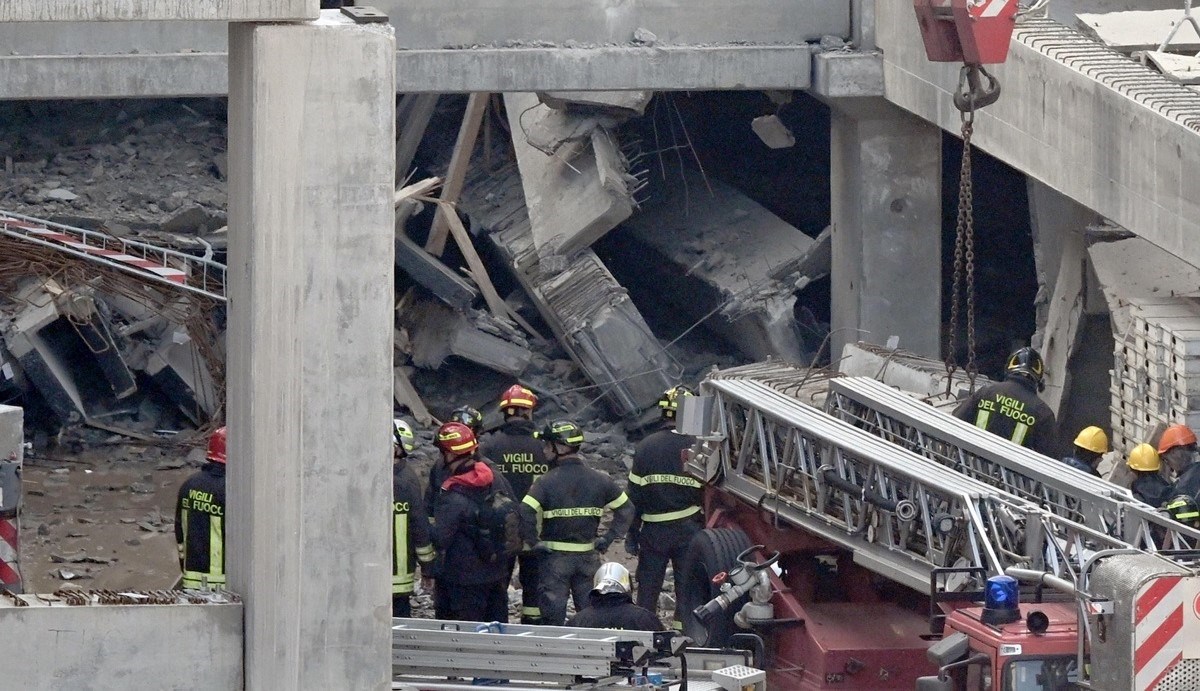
10 555
1164 613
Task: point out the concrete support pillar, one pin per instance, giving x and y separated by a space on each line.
1060 254
885 180
312 156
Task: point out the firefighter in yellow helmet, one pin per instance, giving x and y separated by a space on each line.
1148 485
411 538
1090 446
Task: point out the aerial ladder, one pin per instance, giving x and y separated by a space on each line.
849 554
1067 492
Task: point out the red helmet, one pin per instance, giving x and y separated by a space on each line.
216 446
517 396
456 439
1176 435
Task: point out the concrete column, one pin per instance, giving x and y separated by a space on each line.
885 179
312 156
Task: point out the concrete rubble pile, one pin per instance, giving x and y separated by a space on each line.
97 347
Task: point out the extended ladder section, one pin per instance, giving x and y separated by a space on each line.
550 657
1069 493
175 269
901 515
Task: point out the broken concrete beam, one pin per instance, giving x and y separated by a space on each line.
580 193
44 366
429 272
178 369
906 371
436 332
589 312
716 249
813 264
1133 268
622 102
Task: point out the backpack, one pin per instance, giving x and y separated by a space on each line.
497 527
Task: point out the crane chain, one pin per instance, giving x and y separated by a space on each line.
964 254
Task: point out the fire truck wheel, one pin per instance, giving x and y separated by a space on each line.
712 552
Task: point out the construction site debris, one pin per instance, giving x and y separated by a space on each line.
434 332
590 314
575 179
716 252
622 102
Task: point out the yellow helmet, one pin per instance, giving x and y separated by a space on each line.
1093 439
1144 458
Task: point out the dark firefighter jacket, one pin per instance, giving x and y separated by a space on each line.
411 539
1081 465
438 474
515 452
200 527
454 527
1187 483
1012 409
658 487
568 503
1151 488
616 611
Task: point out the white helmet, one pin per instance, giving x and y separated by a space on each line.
402 436
611 577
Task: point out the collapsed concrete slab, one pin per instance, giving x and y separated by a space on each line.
718 250
432 274
589 312
435 332
627 102
178 370
907 371
574 176
31 337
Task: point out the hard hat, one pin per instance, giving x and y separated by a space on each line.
517 396
468 416
1093 439
402 436
611 577
1183 509
1027 363
1144 458
562 432
456 439
669 401
216 446
1176 435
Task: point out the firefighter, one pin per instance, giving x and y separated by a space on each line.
610 605
560 516
200 520
1177 447
1011 408
468 587
666 504
514 449
1183 509
473 419
1090 446
411 541
1148 483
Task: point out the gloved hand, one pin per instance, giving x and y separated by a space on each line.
602 544
540 548
631 545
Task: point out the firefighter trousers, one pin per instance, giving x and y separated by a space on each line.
565 574
661 543
529 575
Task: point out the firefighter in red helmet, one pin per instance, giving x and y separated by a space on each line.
200 520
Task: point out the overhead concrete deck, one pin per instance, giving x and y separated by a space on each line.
1097 133
444 46
135 10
